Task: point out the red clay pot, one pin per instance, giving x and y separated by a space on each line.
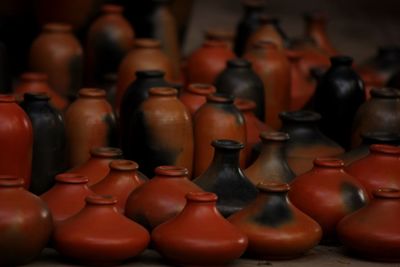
195 95
316 30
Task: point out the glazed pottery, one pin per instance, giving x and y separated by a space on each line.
380 113
58 53
120 182
306 141
238 79
161 198
327 194
372 232
48 155
268 31
217 119
225 178
339 94
219 34
276 229
67 197
16 140
23 216
199 235
195 95
316 30
273 67
109 38
160 132
271 164
89 122
99 235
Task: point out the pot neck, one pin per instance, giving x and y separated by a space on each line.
226 153
273 145
299 121
201 202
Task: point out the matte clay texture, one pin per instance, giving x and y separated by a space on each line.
195 95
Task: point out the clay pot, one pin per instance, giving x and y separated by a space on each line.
371 80
220 34
207 62
372 232
327 194
195 95
161 198
238 79
23 216
16 140
48 156
315 28
199 235
306 141
339 94
67 197
380 113
58 53
274 235
89 122
35 82
273 67
100 235
271 164
120 182
109 38
225 178
217 119
268 31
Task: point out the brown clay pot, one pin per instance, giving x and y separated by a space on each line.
220 34
120 182
217 119
199 235
316 30
16 140
372 232
23 216
327 194
195 95
161 198
276 229
89 122
99 235
266 32
58 53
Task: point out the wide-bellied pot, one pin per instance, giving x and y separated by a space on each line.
195 95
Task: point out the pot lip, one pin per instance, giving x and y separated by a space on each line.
171 171
11 181
57 27
92 93
384 149
386 192
201 197
202 89
41 96
273 187
71 178
328 162
385 92
215 44
112 9
32 76
238 63
146 43
219 34
150 73
265 44
220 98
227 144
4 98
300 116
123 165
274 136
244 104
95 199
380 136
106 152
163 91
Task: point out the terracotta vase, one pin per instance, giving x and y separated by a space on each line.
35 82
161 198
23 216
372 232
276 229
217 119
315 28
120 182
306 141
268 31
199 235
327 193
225 178
89 122
207 62
273 67
195 95
16 140
380 113
160 132
48 155
238 79
220 34
58 53
97 167
100 235
109 38
67 197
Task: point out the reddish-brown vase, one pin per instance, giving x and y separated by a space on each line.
25 223
195 95
16 140
381 168
217 119
316 30
199 235
58 53
273 67
327 194
161 198
120 182
67 197
266 32
99 235
276 229
373 231
89 122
